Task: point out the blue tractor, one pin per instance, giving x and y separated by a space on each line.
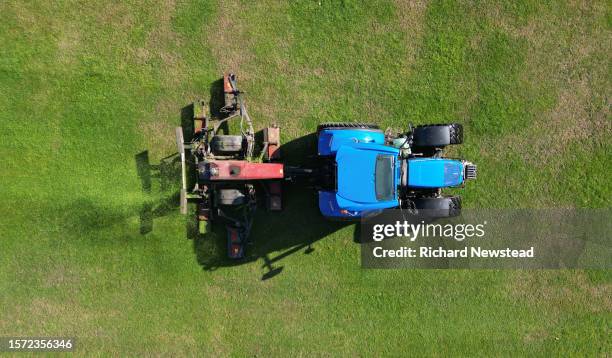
364 170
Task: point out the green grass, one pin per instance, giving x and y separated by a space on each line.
84 88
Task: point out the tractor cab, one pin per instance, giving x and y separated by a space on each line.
368 176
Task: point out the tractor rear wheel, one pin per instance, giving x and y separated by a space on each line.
340 125
440 207
222 144
437 135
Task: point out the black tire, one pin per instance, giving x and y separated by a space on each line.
226 144
230 197
437 135
339 125
440 207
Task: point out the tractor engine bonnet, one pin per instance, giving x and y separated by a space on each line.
217 170
434 172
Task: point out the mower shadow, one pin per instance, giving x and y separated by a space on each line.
217 99
165 173
274 235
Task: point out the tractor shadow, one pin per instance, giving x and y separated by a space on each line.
274 235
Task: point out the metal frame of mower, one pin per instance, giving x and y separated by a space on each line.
229 174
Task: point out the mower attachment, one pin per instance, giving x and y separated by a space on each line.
181 148
274 198
230 94
217 170
272 143
236 240
229 172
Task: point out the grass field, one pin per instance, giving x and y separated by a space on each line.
89 248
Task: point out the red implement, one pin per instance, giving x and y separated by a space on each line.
275 199
243 170
227 85
272 137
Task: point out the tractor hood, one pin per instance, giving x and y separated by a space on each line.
357 172
435 172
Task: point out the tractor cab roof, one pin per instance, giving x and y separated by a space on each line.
367 173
